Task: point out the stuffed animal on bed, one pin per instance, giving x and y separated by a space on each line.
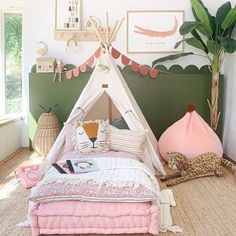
187 169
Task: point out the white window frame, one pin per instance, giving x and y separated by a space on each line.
3 62
2 65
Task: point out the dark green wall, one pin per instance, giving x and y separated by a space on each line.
163 100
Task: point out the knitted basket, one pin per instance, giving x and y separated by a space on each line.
46 133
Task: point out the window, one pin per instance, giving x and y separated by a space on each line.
11 63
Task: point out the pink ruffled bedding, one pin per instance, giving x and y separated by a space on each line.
75 217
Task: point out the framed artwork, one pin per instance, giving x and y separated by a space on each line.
154 31
68 15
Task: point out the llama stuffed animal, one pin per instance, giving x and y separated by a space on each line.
187 169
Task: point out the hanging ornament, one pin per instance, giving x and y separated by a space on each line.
69 74
83 67
125 60
153 73
76 72
90 61
115 54
144 70
135 66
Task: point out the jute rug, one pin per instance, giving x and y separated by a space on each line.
205 206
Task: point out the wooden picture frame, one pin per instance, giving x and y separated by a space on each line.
154 31
68 15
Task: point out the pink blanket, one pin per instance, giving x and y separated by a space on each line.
75 217
116 180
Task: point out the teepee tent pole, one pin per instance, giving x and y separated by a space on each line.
107 28
110 110
112 32
117 29
97 33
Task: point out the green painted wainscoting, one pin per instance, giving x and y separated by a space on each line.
163 100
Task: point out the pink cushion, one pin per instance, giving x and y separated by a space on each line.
68 132
75 217
191 136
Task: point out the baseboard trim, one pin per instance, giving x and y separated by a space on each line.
12 155
229 159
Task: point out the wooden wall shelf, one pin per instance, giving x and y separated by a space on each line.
65 35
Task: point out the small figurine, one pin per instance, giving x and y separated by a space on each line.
58 70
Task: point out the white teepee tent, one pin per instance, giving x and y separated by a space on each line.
107 78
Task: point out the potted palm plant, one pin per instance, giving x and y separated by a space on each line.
212 35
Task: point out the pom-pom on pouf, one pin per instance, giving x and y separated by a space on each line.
191 136
46 133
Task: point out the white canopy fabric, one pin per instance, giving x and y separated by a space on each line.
113 84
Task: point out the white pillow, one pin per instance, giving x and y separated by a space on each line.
127 140
90 137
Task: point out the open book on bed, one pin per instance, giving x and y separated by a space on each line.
82 166
76 166
62 168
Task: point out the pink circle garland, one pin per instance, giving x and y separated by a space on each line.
144 70
83 68
153 73
76 72
90 61
69 74
135 66
97 53
115 54
125 60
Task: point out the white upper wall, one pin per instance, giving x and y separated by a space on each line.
38 25
11 4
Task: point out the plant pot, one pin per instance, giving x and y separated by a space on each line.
46 133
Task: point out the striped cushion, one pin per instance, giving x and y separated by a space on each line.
127 140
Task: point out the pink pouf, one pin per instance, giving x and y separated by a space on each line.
191 136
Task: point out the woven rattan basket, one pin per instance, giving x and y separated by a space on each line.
46 133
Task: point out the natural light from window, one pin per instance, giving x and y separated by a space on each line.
13 62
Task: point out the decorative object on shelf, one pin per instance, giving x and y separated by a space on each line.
187 169
58 70
153 31
42 51
71 45
64 26
47 131
216 42
88 36
44 64
88 24
68 15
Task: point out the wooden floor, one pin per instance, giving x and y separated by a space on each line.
205 206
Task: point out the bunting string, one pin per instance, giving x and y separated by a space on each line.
143 69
